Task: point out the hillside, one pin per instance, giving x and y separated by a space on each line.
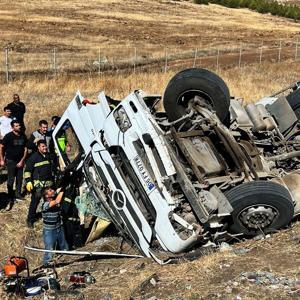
34 26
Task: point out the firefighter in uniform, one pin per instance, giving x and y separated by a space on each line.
70 182
39 173
74 231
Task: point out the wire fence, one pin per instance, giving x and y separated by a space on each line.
136 59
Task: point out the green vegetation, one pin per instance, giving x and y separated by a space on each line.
262 6
201 1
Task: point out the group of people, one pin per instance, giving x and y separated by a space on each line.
33 161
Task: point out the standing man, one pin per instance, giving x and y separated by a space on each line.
41 134
39 173
53 231
54 122
18 110
5 122
14 150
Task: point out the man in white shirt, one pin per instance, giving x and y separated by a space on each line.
5 121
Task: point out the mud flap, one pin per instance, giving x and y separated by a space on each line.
292 183
98 229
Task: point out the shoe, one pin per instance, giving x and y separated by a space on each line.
30 224
19 197
9 205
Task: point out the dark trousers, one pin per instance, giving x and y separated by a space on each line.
13 173
74 233
36 196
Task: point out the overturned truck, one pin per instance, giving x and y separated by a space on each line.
203 169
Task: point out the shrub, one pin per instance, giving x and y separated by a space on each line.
201 2
291 11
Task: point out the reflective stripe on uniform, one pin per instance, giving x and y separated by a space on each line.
27 175
42 183
67 199
74 219
42 163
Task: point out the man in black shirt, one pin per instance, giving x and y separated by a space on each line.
18 110
13 152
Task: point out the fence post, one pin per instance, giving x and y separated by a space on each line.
240 57
296 51
279 52
134 60
6 65
166 60
261 53
99 60
195 58
218 54
54 61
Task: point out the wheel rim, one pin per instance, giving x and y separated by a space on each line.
258 216
189 95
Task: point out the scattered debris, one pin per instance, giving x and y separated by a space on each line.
147 285
176 298
241 250
296 239
140 266
14 282
80 279
267 278
107 296
259 237
83 253
225 247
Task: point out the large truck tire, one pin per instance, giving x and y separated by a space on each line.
190 82
259 206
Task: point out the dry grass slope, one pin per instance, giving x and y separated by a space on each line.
45 97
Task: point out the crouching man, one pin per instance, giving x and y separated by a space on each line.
53 231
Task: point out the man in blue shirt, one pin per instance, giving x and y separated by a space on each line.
53 231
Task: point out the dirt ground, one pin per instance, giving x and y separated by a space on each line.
267 268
